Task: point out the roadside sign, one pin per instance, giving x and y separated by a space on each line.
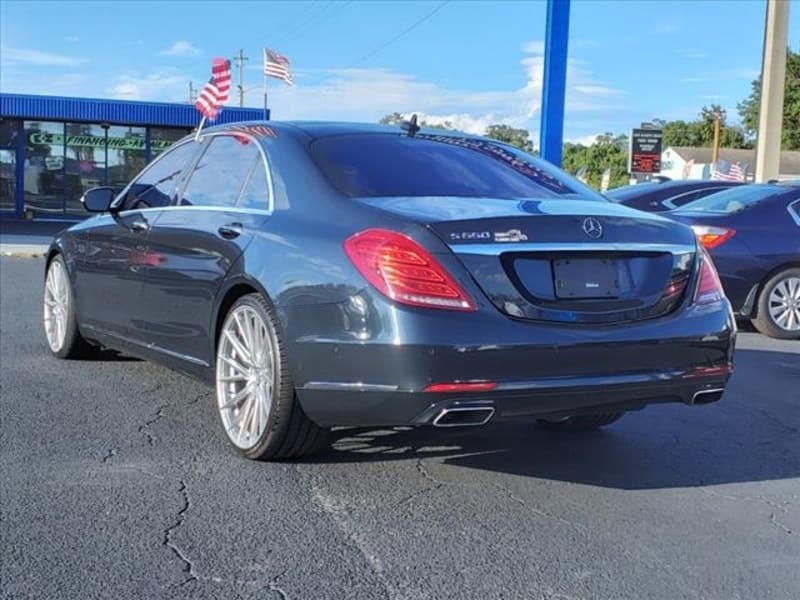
645 151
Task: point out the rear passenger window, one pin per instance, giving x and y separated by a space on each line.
221 173
256 192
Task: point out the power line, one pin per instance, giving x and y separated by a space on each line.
326 19
387 43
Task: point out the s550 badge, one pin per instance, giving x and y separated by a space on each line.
458 236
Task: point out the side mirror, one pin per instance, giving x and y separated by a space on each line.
98 199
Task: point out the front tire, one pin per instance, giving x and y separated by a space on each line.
60 323
778 312
581 422
255 395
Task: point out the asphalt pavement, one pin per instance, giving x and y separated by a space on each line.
116 481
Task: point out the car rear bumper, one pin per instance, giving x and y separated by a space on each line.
538 370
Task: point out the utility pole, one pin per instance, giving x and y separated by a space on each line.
192 93
715 148
773 79
240 65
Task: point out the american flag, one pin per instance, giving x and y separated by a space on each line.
724 170
277 65
216 91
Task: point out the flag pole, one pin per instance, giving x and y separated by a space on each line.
264 72
199 128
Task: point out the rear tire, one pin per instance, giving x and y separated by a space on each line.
778 309
255 395
60 323
581 422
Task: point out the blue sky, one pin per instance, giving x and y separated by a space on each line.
472 63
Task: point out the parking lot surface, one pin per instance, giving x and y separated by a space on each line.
116 481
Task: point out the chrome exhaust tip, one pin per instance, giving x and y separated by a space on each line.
463 416
707 396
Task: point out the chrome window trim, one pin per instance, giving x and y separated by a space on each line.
494 249
794 211
182 184
173 207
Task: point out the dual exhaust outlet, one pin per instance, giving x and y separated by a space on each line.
465 416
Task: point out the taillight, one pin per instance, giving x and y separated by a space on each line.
404 271
711 237
461 386
709 288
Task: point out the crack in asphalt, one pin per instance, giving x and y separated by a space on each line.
112 452
188 566
145 427
773 517
537 511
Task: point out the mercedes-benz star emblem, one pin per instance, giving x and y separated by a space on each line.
592 228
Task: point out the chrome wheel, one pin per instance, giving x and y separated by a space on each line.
56 305
246 373
784 304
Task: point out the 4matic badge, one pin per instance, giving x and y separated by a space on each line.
512 235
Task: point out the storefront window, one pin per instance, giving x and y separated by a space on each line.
8 132
126 154
44 183
162 138
8 178
85 162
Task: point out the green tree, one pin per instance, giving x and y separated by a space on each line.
519 138
700 132
749 108
608 151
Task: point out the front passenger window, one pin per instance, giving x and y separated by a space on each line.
157 185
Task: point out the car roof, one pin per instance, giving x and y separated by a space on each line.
319 129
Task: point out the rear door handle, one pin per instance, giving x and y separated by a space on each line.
230 231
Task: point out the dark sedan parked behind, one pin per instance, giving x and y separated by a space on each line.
667 195
331 274
753 235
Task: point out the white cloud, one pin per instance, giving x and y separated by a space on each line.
693 79
167 85
369 94
181 48
38 58
72 38
584 140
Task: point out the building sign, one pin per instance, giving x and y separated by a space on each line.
645 150
40 138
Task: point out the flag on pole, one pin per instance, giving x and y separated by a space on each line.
724 170
215 93
277 66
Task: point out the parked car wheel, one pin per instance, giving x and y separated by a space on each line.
60 324
255 396
778 312
580 422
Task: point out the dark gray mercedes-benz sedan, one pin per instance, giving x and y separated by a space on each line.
327 274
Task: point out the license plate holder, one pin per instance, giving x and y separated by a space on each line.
585 278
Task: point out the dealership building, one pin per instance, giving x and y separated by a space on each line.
52 149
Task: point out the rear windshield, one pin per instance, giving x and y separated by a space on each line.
377 165
732 200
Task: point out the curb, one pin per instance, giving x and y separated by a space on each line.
23 250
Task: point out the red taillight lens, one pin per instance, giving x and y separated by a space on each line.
461 386
711 237
709 288
403 270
